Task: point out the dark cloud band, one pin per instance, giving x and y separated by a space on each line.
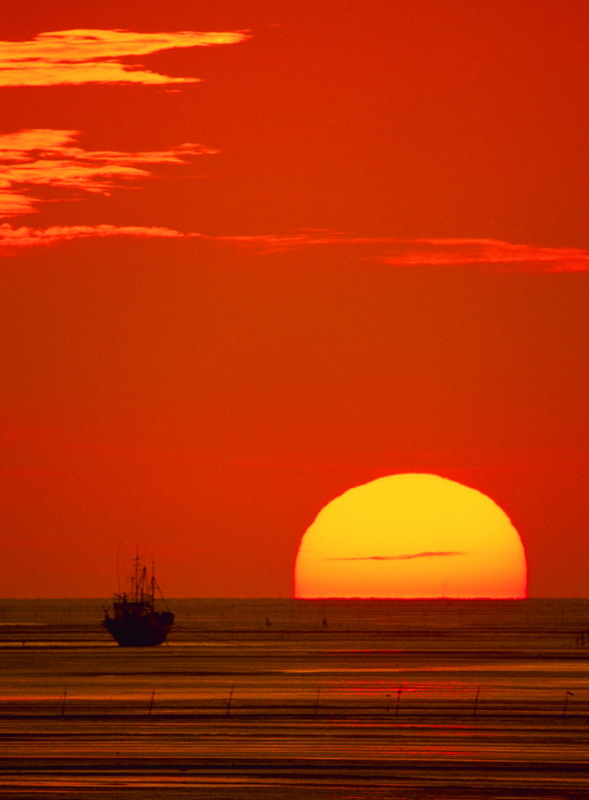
404 557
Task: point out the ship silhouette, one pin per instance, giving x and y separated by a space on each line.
135 622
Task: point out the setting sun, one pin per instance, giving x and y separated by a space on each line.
411 536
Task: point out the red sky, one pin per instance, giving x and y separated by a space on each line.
256 253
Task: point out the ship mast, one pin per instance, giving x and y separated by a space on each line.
136 581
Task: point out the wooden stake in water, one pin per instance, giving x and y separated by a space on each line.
229 702
63 702
566 702
476 702
399 691
317 700
151 702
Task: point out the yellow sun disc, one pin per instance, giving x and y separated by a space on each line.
409 536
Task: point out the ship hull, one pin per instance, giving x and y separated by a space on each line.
148 630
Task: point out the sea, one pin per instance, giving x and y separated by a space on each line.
284 699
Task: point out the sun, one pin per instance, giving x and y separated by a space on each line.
410 536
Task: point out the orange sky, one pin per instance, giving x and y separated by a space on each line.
256 253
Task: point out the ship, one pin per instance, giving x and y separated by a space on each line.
135 621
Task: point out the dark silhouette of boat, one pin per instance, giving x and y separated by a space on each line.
135 621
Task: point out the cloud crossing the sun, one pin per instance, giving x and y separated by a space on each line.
404 557
85 56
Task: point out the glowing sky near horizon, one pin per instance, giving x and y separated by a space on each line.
255 253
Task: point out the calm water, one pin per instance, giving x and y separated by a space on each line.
283 699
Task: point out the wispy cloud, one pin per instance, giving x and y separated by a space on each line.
12 238
52 158
404 557
499 255
94 56
40 165
492 255
502 257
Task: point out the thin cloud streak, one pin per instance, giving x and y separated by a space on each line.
52 158
492 255
412 254
83 56
12 238
404 557
482 252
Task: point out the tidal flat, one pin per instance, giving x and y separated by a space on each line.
283 699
